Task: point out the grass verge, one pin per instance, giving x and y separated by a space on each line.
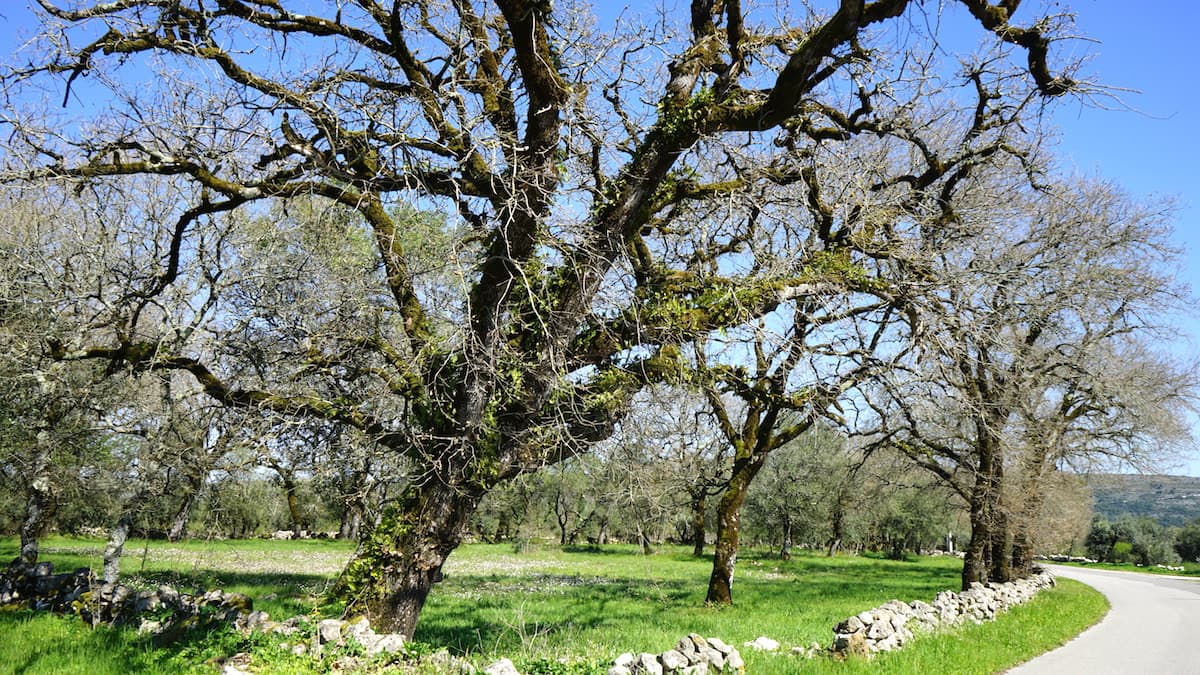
1050 620
1190 569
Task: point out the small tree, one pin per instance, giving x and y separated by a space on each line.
1187 541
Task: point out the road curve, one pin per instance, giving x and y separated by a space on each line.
1153 628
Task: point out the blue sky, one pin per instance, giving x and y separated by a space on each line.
1148 140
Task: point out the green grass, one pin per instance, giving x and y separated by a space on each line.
587 605
602 604
1050 620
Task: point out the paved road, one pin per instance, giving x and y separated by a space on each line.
1153 628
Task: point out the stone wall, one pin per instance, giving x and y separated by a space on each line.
160 611
892 624
693 655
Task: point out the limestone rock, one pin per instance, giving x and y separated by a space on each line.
673 660
851 644
719 645
715 658
734 662
763 644
851 625
648 664
502 667
687 648
329 630
360 631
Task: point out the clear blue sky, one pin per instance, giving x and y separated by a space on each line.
1152 147
1149 141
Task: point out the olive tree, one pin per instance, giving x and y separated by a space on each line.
569 159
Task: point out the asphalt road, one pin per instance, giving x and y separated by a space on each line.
1153 628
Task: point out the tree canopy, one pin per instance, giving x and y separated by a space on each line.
609 195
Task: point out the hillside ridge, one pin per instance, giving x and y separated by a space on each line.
1170 500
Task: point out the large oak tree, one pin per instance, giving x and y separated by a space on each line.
598 181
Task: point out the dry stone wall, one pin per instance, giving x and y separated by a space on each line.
693 655
894 623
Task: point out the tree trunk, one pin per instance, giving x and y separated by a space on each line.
729 525
1000 548
351 521
644 539
40 505
179 523
293 502
785 549
1022 542
1022 553
1033 498
984 503
699 504
975 559
977 555
116 545
400 560
838 525
974 556
563 515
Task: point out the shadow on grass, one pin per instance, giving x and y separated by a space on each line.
281 595
515 614
505 614
48 643
599 549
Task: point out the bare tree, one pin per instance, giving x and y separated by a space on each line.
1028 325
49 411
566 154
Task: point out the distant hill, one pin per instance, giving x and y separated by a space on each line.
1171 500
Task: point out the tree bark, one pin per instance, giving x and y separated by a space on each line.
179 523
562 515
400 560
644 539
984 503
1032 500
1022 541
699 504
838 526
293 502
351 522
1000 548
785 549
974 558
115 546
40 505
729 525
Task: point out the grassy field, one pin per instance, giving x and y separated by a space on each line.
583 605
